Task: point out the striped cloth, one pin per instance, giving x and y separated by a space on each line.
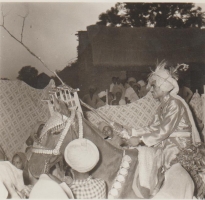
89 189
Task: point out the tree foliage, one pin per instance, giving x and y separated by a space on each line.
29 75
171 15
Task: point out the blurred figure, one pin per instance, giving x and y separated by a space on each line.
91 98
117 86
114 80
118 98
184 92
143 91
135 95
110 98
130 91
102 101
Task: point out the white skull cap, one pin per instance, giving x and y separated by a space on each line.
81 155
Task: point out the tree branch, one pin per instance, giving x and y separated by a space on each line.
24 18
21 42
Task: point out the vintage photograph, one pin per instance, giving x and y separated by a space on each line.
102 100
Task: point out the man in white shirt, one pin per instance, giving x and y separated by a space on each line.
130 91
114 80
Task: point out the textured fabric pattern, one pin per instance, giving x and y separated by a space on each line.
89 189
137 114
20 108
196 104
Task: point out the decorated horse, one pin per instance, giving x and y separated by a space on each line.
116 166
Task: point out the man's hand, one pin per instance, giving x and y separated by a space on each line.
133 141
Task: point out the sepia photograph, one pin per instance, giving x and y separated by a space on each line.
102 100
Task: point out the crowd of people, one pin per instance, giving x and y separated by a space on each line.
129 92
118 94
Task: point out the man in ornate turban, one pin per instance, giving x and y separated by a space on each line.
171 130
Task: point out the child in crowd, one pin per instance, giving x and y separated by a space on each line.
11 181
20 161
82 156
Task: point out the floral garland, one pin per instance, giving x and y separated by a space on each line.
120 178
193 160
56 150
80 124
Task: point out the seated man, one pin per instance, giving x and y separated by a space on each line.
118 100
91 98
130 91
82 156
172 130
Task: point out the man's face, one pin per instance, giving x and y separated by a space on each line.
107 131
92 90
17 162
118 81
131 83
118 95
114 80
156 91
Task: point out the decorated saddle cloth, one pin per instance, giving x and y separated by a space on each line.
20 107
136 115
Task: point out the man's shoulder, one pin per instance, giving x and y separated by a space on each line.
99 180
173 101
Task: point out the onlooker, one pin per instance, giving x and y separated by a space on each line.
184 92
135 95
110 97
117 86
143 91
114 79
118 98
129 91
102 102
82 156
91 99
19 160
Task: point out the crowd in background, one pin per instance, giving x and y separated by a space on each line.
118 93
122 94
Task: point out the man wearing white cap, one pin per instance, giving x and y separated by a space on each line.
171 130
101 102
82 156
130 91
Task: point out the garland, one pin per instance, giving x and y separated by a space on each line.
120 178
56 150
80 124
